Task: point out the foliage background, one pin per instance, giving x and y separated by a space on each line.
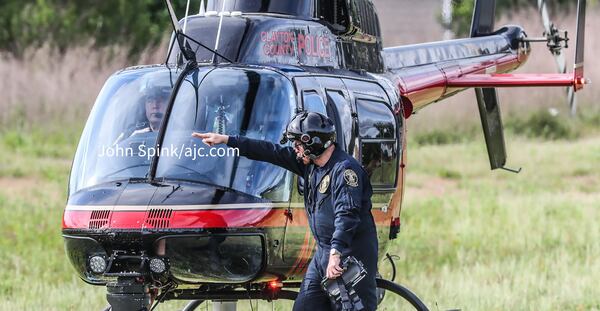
63 24
463 10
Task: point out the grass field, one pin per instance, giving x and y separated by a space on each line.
471 239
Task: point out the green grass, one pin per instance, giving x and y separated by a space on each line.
480 240
470 239
538 124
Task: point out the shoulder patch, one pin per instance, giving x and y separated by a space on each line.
351 178
324 184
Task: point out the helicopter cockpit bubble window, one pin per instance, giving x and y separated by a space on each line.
255 103
122 125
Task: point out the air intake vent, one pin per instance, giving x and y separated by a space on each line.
159 217
99 219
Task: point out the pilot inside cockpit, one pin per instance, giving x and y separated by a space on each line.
153 94
155 97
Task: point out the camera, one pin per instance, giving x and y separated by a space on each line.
341 290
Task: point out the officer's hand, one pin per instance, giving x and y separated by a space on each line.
334 269
211 139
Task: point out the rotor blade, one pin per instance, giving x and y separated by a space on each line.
572 99
544 13
484 15
174 20
579 48
561 63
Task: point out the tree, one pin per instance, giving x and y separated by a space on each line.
63 23
462 11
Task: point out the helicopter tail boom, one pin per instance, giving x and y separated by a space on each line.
427 73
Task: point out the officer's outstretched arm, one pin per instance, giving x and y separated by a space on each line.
347 195
262 150
259 150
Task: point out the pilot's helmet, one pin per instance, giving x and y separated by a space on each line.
313 130
156 86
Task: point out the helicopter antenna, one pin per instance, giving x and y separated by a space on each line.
187 11
219 31
185 48
202 10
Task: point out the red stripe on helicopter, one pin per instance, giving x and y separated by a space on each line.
304 265
195 219
301 258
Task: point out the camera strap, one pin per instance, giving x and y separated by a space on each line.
346 302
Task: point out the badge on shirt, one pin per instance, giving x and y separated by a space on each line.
351 178
324 184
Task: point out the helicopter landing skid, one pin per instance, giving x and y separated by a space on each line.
381 284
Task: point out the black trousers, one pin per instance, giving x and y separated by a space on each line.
312 297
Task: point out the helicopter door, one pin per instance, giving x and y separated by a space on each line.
312 102
337 107
299 244
378 149
379 155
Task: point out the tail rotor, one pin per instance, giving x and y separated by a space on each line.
556 40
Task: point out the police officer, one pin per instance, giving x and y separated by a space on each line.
337 197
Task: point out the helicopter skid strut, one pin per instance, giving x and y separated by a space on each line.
381 283
126 294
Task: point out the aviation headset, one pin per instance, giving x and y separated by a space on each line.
313 130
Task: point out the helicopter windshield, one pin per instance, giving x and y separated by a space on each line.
119 141
231 101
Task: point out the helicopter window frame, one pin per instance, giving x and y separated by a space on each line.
348 142
339 25
363 142
364 17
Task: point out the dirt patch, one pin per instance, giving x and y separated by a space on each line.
432 187
585 183
18 185
29 188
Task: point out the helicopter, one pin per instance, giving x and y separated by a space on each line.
155 215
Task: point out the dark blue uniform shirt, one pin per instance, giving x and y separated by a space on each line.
337 198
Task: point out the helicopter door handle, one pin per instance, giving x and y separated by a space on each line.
289 215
